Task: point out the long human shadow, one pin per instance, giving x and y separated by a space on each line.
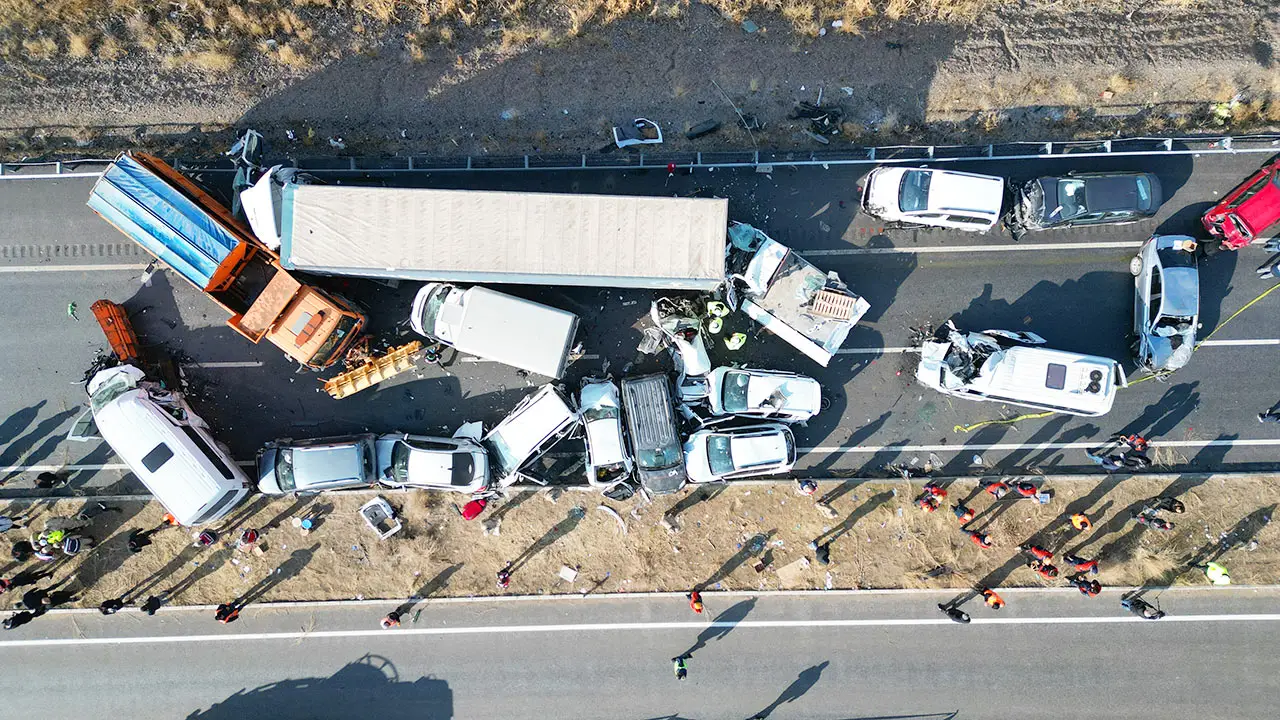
1054 535
856 438
286 571
803 683
431 587
559 530
515 502
19 421
1163 415
1244 531
993 579
368 682
852 518
21 449
152 581
704 493
722 625
109 551
738 558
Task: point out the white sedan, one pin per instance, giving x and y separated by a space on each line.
730 453
607 460
764 394
433 463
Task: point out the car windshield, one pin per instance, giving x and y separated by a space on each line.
431 309
1170 325
1144 192
284 469
659 459
913 196
112 389
1070 199
340 331
718 455
399 462
500 452
734 396
603 412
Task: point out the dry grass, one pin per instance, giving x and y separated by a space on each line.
881 540
79 45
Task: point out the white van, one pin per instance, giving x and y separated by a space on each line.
166 445
496 326
1006 366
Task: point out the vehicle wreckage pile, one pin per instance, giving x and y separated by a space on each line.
652 433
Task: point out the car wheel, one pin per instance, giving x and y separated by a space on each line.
1135 266
824 402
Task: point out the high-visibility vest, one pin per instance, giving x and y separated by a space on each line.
1217 574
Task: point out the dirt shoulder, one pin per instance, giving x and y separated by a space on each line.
555 77
878 539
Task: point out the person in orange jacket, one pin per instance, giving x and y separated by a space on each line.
1081 522
1043 569
982 540
992 599
1037 552
963 514
695 601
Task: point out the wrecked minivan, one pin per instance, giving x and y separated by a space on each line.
654 433
537 422
810 310
1007 366
600 406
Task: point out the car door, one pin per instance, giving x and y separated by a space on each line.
1142 292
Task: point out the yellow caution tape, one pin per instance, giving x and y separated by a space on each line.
1007 421
1247 305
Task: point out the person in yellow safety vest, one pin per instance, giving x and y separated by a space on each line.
1217 574
735 341
715 325
717 309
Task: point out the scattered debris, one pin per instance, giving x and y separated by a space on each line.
614 514
337 143
568 574
706 127
640 131
492 526
823 119
750 27
379 515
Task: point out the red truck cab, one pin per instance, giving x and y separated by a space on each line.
1247 211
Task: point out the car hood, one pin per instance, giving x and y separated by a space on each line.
799 395
882 190
1262 210
1032 212
604 440
952 191
268 484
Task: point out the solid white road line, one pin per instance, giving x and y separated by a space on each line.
834 449
1240 343
1257 342
878 351
228 364
50 176
975 248
618 627
14 269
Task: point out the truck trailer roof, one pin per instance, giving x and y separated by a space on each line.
505 237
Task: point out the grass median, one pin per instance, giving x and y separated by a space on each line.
730 538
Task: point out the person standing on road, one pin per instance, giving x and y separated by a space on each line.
48 481
19 619
1270 416
955 613
695 601
226 613
392 620
1110 463
992 599
111 606
681 666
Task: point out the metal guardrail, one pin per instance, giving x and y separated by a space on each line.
622 160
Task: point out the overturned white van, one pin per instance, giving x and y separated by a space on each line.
164 443
1009 367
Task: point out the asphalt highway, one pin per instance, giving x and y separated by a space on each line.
858 655
1072 287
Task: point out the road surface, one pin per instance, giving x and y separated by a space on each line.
1048 654
1072 287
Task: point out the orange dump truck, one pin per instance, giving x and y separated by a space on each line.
198 238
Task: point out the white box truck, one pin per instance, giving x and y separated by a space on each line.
480 236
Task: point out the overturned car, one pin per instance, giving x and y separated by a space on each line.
1010 367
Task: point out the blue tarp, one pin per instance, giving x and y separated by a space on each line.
161 219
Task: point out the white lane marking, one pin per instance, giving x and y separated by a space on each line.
833 449
1240 343
228 364
49 467
14 269
877 351
473 359
975 248
619 627
51 176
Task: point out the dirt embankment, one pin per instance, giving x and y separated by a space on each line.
878 539
542 77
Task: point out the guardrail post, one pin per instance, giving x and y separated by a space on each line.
757 156
584 161
468 162
930 152
410 162
526 162
57 168
352 163
990 151
1 168
1107 145
699 161
1047 149
1168 144
871 153
1226 143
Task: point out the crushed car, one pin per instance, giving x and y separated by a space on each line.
714 455
774 395
539 421
1166 304
1084 200
1242 216
1009 367
600 406
937 198
456 464
811 310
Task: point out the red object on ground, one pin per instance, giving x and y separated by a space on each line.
979 539
1248 210
472 510
115 325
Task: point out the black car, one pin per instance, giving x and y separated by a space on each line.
1084 199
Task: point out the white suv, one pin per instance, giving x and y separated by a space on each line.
940 198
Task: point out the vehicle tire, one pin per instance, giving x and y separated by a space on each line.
1135 266
824 402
